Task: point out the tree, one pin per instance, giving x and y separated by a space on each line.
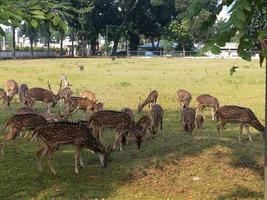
248 19
180 33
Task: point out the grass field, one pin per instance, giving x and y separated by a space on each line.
166 165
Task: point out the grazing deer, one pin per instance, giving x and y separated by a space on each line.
17 123
39 94
151 98
11 88
81 67
235 114
51 117
23 88
63 133
25 110
109 119
188 117
75 103
64 94
129 112
157 116
206 100
190 121
184 97
88 95
5 99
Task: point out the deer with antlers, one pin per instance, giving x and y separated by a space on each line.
5 99
109 119
40 94
88 95
18 123
65 133
206 100
184 97
236 114
64 94
23 88
11 88
151 98
78 103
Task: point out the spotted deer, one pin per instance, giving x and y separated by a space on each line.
25 110
55 134
129 112
23 88
190 121
157 116
206 100
78 103
11 88
109 119
88 95
64 94
5 99
40 94
64 79
184 97
52 117
236 114
18 123
151 98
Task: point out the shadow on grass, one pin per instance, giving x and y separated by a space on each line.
21 180
242 193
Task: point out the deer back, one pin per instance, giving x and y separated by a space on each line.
208 100
109 118
29 121
89 95
188 119
25 110
57 133
157 114
40 94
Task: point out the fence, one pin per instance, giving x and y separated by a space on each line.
27 54
52 53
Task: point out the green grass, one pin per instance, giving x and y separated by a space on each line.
167 162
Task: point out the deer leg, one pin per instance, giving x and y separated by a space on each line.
213 114
240 131
248 132
220 127
77 157
49 155
42 151
13 133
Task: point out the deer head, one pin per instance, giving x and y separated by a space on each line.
55 95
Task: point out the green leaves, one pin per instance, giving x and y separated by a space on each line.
215 49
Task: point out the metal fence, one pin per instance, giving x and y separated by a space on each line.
8 54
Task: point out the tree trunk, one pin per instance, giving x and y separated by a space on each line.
72 43
115 47
183 47
61 45
31 42
13 42
265 138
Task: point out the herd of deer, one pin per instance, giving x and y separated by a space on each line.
52 130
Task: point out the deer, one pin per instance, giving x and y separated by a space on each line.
23 88
236 114
64 94
75 103
5 99
109 119
138 130
64 80
157 116
184 97
79 135
11 88
129 112
88 95
206 100
26 110
17 123
190 121
52 117
151 98
40 94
